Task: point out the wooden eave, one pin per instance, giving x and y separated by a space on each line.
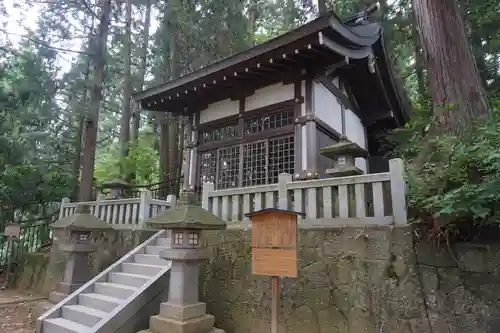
309 49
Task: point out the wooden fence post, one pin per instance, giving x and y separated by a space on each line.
64 202
144 205
207 188
398 190
283 180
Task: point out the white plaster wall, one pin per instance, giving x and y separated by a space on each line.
355 131
269 95
219 110
262 97
327 107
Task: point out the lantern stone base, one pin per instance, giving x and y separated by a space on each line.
62 291
182 312
175 318
201 324
67 288
344 171
213 330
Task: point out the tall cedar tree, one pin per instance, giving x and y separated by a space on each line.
91 126
127 85
456 89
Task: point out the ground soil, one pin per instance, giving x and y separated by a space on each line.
18 311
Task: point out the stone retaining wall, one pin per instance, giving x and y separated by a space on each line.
39 272
357 280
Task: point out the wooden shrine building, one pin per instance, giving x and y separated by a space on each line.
272 108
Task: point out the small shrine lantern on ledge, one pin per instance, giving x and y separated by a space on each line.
343 153
77 230
183 312
118 187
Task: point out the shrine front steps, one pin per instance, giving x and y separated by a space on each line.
120 299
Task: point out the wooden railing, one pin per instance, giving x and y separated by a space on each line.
366 199
122 212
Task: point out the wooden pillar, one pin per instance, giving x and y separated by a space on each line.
186 166
191 179
307 150
299 100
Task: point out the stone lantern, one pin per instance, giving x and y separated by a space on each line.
77 243
343 153
183 312
118 188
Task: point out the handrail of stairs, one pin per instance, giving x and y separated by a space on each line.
72 298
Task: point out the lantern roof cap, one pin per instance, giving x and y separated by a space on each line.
115 184
274 210
81 220
343 147
187 214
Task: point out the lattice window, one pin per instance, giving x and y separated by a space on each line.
208 166
262 161
178 238
229 167
281 157
193 238
267 122
254 163
219 134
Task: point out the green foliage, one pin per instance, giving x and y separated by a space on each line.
452 182
142 159
41 105
30 176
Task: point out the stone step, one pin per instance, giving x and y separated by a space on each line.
99 302
114 290
82 315
141 269
61 325
153 249
149 259
128 279
109 299
163 241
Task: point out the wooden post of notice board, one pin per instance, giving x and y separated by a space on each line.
274 250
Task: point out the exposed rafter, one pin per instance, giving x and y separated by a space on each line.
319 48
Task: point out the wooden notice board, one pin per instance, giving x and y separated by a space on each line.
12 230
274 243
274 251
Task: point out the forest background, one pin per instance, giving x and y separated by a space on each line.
68 69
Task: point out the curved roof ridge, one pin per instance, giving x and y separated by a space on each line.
327 21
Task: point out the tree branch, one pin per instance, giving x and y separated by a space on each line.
44 44
84 3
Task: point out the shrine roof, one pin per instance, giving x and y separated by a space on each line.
324 45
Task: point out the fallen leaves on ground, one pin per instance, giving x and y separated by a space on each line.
17 312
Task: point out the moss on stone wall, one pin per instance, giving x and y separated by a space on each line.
30 271
354 280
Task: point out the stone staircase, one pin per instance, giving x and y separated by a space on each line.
120 299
